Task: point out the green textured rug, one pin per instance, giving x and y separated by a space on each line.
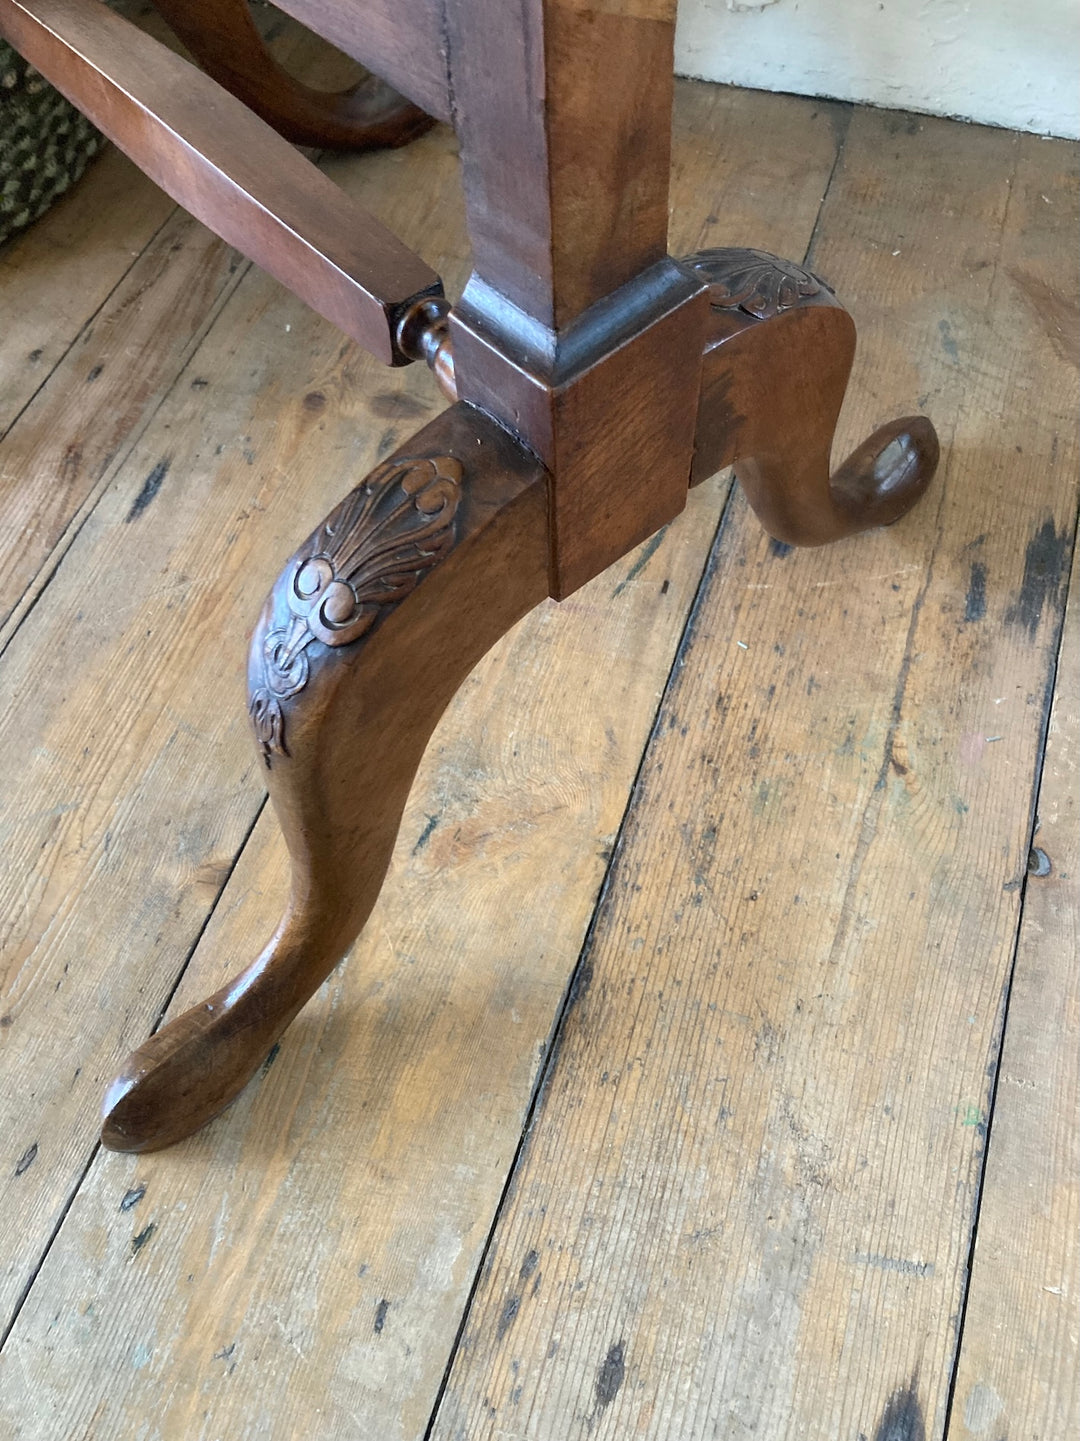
45 143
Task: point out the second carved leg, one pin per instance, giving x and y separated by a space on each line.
777 359
370 630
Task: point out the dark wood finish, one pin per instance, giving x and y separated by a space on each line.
424 334
574 328
622 383
209 152
371 628
595 380
223 38
564 116
777 361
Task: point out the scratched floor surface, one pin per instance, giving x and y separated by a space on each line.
709 1067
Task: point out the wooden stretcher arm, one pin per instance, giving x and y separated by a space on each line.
220 161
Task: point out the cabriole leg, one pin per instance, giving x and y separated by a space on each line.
777 359
369 631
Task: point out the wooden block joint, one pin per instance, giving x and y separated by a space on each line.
609 404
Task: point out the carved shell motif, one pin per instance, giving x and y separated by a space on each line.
753 281
366 557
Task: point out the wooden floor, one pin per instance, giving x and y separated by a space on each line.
709 1067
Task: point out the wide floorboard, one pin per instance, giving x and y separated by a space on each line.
709 1067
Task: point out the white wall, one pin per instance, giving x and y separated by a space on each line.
1002 62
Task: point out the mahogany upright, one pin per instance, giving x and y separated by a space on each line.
592 379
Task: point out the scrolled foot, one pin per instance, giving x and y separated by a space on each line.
185 1074
371 628
883 478
777 360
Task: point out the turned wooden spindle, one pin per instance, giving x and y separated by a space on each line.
423 333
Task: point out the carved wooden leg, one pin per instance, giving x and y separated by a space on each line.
777 360
366 636
224 40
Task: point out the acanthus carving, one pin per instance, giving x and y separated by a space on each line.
368 555
753 281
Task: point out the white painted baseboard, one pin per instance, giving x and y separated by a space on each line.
1014 63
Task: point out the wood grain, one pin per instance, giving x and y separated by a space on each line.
332 1220
75 255
126 664
574 329
447 545
778 355
1019 1366
541 135
745 1205
214 156
81 424
86 367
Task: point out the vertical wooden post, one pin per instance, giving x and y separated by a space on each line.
575 328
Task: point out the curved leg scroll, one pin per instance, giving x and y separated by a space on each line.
224 40
366 636
777 360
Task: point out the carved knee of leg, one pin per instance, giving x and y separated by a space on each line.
367 634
